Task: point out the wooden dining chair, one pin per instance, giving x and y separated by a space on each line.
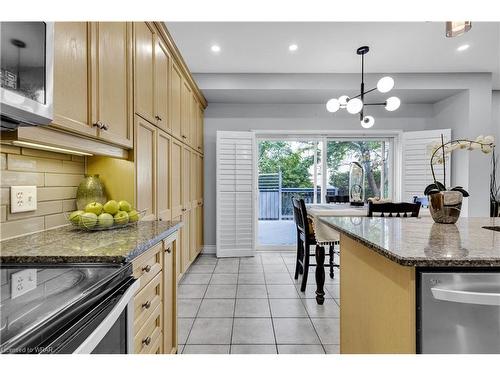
394 209
306 239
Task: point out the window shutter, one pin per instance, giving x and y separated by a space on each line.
415 160
235 194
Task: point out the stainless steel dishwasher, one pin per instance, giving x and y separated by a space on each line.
458 312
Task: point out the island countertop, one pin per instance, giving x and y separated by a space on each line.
71 245
421 242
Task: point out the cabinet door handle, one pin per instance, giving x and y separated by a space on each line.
168 250
97 125
104 127
183 136
184 209
158 118
147 341
146 305
146 268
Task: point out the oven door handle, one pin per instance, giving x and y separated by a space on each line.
102 329
462 296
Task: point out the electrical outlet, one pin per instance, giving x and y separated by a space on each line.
22 198
22 282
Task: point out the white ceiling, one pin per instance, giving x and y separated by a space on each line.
329 47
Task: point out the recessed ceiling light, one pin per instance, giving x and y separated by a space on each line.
463 47
293 47
215 48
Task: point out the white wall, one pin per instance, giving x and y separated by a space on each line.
313 117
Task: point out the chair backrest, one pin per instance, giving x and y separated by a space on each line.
300 216
337 199
394 209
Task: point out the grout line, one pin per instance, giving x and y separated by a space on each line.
234 308
271 314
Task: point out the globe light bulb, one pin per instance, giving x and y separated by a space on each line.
385 84
343 101
354 106
367 122
392 103
332 105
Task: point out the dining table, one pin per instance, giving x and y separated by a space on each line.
326 236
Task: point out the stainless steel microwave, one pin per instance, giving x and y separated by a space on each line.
26 73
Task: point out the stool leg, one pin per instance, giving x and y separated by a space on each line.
306 268
297 262
331 261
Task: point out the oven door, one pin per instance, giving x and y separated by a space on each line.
107 329
26 73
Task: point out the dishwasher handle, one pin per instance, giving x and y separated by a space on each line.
467 297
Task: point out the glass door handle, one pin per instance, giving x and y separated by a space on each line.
462 296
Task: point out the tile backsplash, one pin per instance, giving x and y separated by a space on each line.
56 176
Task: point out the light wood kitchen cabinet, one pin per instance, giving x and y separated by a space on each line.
186 112
72 78
170 295
193 126
112 81
185 240
200 129
186 178
175 100
145 167
161 65
163 144
176 177
144 46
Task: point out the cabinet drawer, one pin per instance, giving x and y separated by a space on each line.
149 333
146 301
147 266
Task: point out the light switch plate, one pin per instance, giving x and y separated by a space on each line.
22 199
22 282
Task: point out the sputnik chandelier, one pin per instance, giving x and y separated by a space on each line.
357 104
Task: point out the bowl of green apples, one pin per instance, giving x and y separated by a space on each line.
111 215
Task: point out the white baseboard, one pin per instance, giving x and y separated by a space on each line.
209 249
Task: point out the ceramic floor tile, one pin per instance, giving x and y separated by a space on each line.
216 308
334 290
179 349
229 261
251 278
211 331
224 279
191 291
295 331
201 268
253 331
253 349
300 349
275 268
272 260
221 291
311 291
187 308
328 330
287 308
251 268
329 309
282 291
278 278
183 327
226 268
205 259
332 349
251 291
196 278
206 349
251 261
252 308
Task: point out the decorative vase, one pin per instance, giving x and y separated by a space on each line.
90 190
445 206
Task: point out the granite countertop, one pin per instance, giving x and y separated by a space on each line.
71 245
421 242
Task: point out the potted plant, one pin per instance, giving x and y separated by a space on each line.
445 204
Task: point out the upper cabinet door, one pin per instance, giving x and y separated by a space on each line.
72 93
193 132
145 164
186 179
176 178
161 85
112 81
175 78
163 176
186 105
144 41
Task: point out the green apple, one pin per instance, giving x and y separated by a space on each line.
111 207
133 216
125 206
88 220
94 207
105 220
74 217
121 217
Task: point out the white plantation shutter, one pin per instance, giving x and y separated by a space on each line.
235 194
415 160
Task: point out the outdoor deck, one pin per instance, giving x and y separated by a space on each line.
277 233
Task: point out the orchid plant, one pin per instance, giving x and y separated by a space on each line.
441 150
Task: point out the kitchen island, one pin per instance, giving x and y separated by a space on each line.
381 260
